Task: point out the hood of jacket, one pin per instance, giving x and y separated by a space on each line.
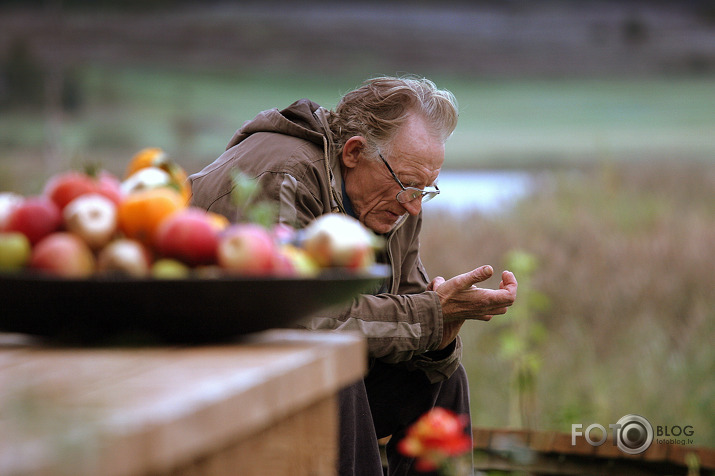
303 119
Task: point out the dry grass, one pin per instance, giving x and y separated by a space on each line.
626 259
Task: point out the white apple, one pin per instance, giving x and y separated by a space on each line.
93 217
337 240
9 201
126 256
145 179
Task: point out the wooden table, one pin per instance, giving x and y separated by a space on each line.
265 405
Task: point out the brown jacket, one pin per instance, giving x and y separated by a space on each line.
290 153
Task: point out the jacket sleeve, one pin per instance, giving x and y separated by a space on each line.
399 329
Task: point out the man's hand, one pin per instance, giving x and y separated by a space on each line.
462 300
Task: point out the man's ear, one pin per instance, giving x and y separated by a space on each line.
352 150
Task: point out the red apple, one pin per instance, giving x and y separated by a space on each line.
15 251
188 235
63 254
110 186
9 201
93 217
125 256
35 217
339 240
66 186
246 248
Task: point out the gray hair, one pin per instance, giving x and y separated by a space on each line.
378 108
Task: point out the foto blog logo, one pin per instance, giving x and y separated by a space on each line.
633 434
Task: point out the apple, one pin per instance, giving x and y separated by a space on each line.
9 201
169 268
189 235
219 221
65 187
15 251
335 239
284 234
301 263
146 179
247 248
93 217
108 184
36 217
125 256
63 254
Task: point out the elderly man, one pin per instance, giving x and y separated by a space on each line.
375 157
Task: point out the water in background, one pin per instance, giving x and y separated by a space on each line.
485 191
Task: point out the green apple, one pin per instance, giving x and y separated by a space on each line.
15 251
169 268
301 263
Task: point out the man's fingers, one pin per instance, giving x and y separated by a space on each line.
466 280
436 282
498 299
508 282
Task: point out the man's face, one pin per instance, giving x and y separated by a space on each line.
416 158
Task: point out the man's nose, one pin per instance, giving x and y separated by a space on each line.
413 207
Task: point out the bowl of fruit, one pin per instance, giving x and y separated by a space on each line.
93 259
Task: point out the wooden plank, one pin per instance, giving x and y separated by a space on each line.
290 447
563 445
553 453
542 441
481 438
149 410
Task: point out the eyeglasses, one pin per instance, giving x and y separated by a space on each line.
407 194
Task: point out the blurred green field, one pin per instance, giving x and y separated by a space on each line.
503 124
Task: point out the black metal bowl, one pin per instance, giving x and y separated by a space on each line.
123 310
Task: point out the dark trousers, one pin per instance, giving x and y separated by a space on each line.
386 403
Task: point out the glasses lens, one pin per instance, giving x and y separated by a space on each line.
429 196
409 194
